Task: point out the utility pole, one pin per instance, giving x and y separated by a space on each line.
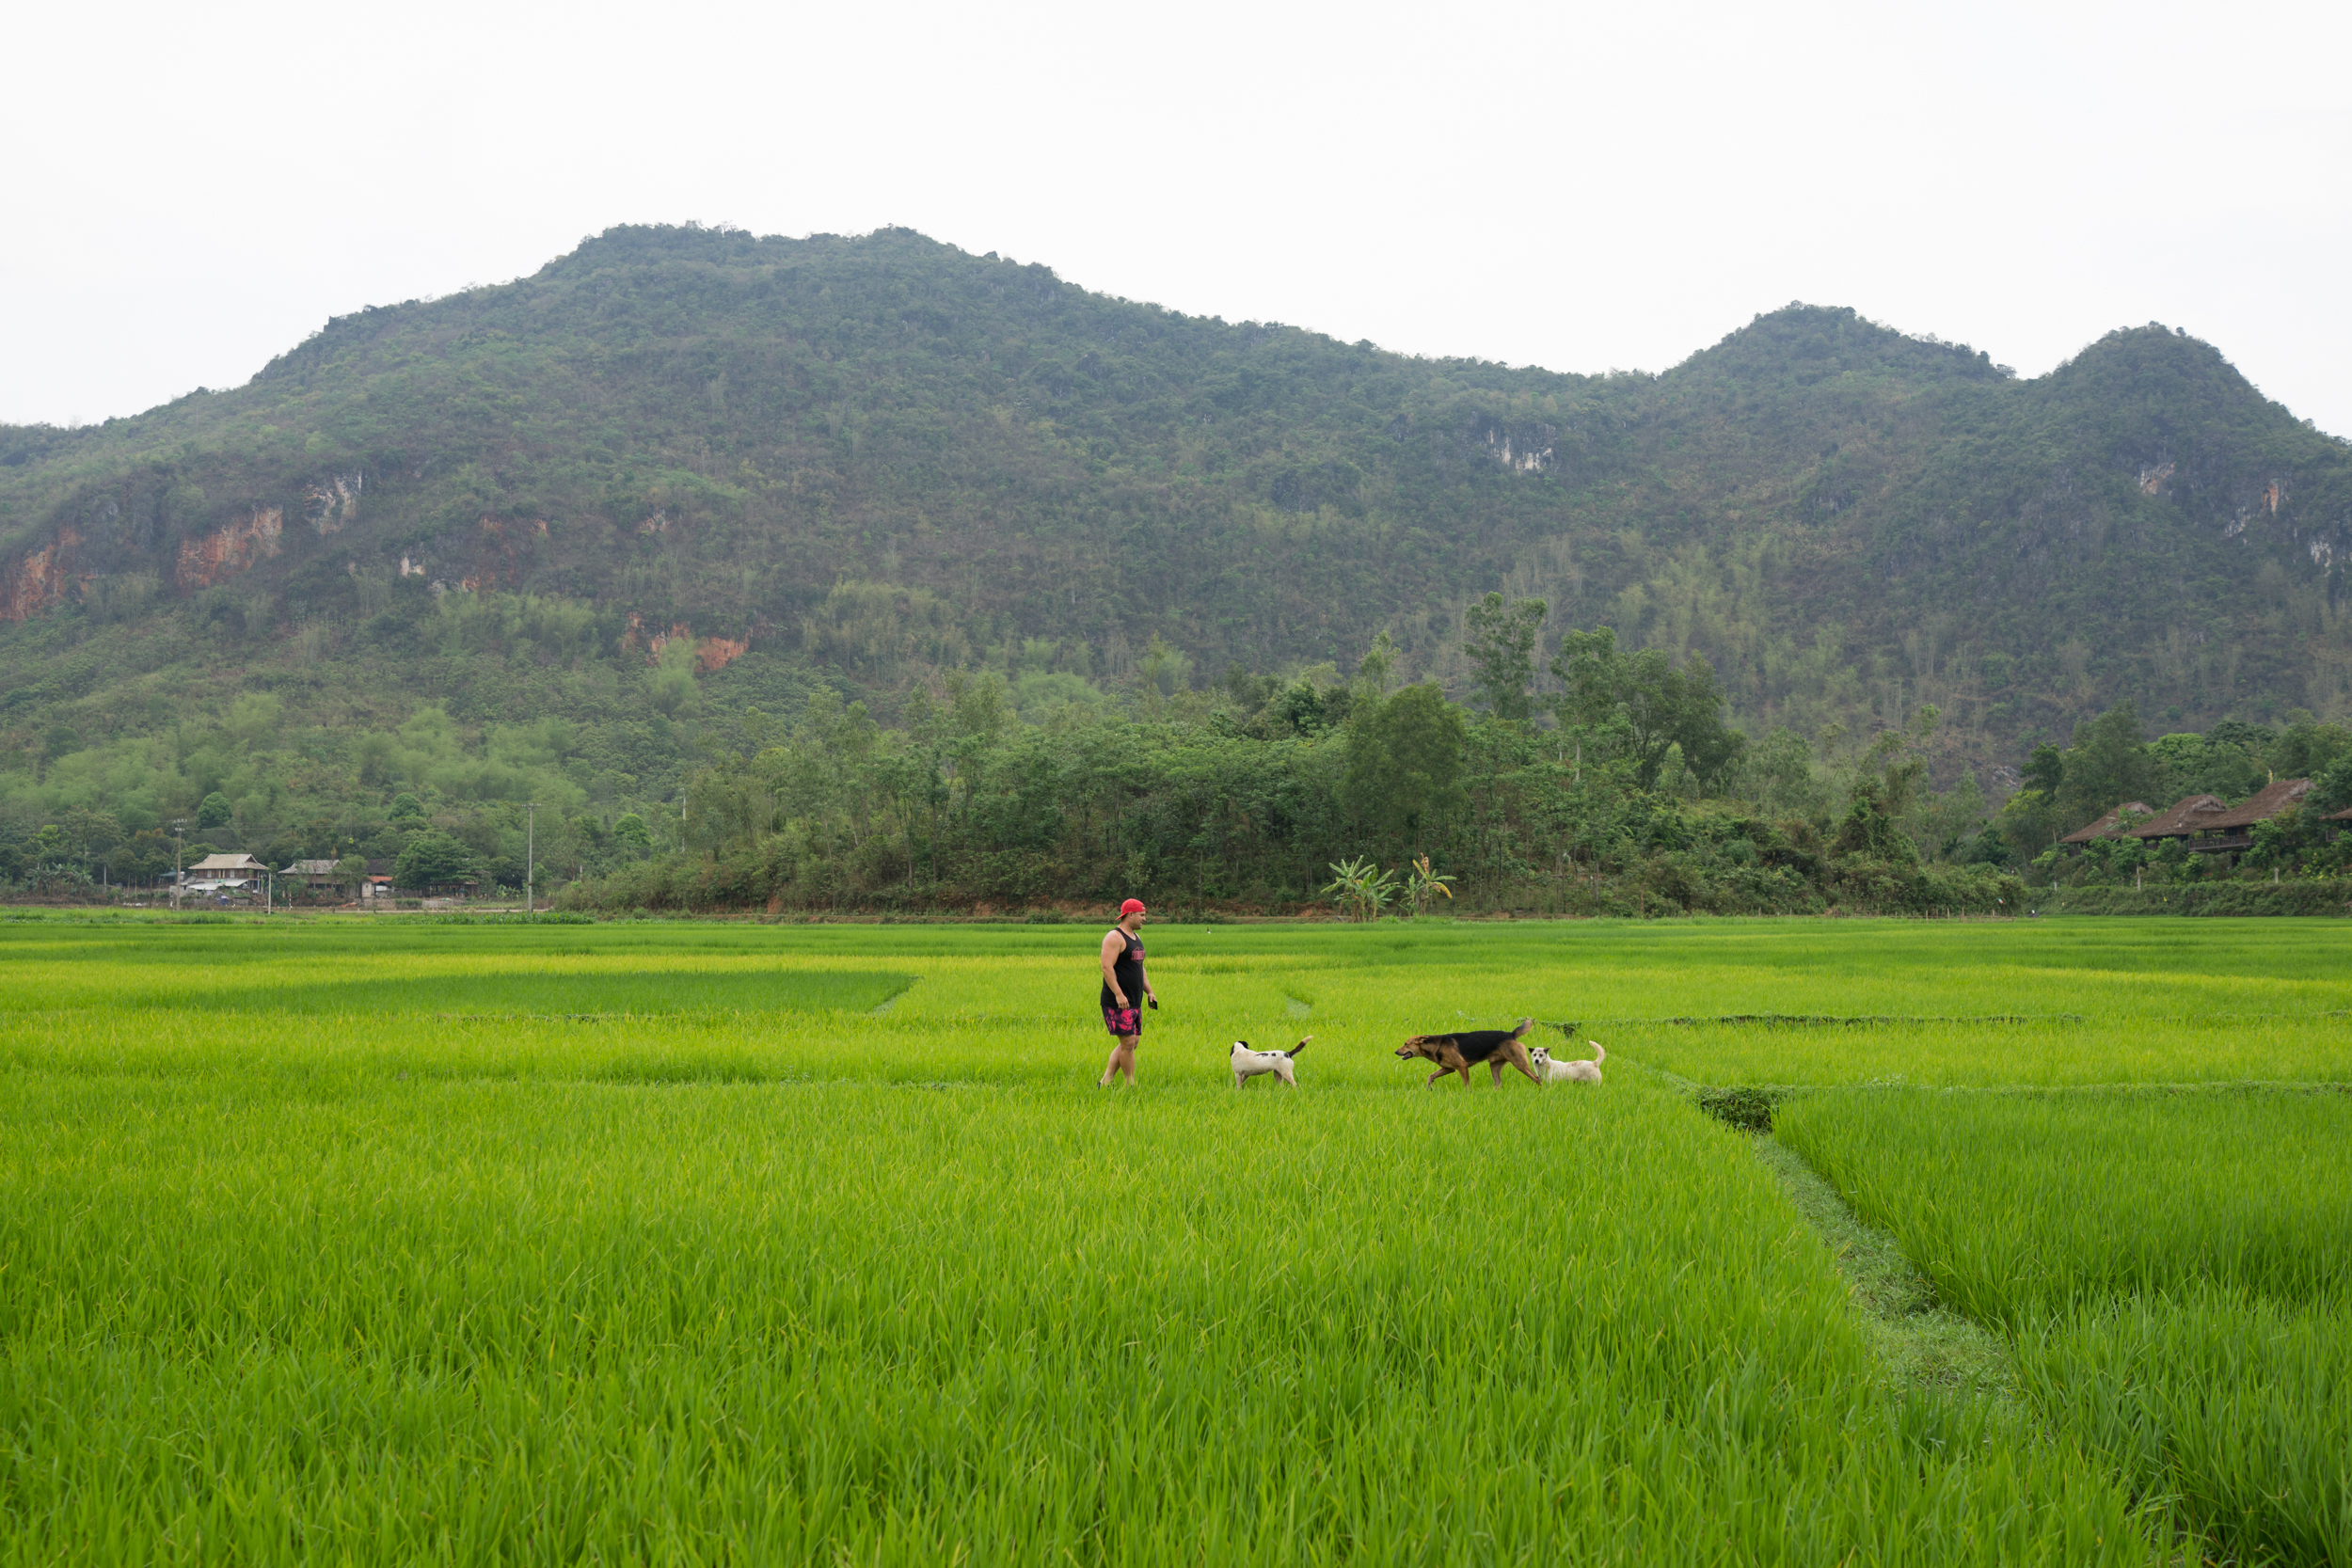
531 856
179 852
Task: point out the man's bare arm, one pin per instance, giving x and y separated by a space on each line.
1112 947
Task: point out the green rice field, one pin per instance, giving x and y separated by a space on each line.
686 1243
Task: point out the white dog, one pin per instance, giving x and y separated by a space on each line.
1248 1063
1547 1070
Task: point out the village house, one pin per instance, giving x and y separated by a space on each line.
215 873
318 876
2208 826
2184 819
2109 826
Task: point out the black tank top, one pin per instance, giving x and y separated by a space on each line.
1128 966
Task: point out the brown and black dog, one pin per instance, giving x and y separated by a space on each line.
1465 1047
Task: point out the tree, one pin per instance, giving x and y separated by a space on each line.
2333 791
2027 822
1405 763
671 687
1658 706
2045 769
1377 667
631 830
1502 650
93 833
2278 842
2108 765
213 813
350 872
406 805
1777 773
432 859
1885 781
2305 750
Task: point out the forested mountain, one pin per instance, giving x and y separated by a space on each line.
570 528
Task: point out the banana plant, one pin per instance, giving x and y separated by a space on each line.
1361 888
1422 884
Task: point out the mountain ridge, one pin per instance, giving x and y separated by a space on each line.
865 459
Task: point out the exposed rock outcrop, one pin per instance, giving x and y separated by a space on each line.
39 580
710 653
332 503
231 549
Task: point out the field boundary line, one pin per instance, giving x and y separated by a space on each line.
1825 1018
2207 1087
1901 1085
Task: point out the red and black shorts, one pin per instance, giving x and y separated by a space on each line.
1123 1021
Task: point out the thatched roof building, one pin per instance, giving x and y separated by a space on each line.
2207 824
2109 826
2184 819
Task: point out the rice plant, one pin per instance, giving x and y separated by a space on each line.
2173 1270
697 1244
2016 1205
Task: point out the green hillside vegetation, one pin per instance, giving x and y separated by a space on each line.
578 538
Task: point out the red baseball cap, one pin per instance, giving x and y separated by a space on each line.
1133 906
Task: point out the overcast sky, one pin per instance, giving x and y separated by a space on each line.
196 188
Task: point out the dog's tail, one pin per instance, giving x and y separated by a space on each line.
1599 1052
1299 1047
1525 1025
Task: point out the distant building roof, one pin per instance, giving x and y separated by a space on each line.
221 865
2193 815
2109 826
2268 803
2206 813
309 868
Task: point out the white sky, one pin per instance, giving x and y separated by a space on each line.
196 188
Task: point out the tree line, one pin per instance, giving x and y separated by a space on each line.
1576 775
1620 789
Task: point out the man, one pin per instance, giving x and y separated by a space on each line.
1124 989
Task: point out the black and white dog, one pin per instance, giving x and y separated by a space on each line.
1248 1063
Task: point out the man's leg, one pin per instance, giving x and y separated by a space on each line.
1122 1061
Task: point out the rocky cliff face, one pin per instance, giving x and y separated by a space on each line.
40 579
232 549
